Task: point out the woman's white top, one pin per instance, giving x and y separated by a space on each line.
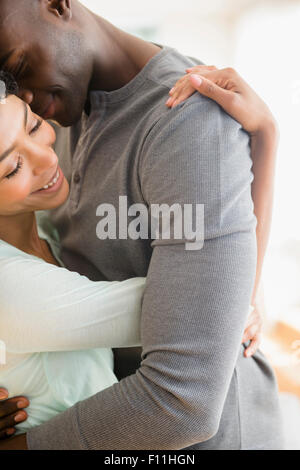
52 324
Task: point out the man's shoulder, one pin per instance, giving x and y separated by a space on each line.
197 145
171 65
195 119
168 66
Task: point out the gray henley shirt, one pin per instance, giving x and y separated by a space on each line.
193 388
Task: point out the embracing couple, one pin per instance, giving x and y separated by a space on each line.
142 121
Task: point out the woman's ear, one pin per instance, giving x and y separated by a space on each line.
60 8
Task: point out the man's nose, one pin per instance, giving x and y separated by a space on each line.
26 95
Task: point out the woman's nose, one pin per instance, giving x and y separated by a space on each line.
43 161
26 95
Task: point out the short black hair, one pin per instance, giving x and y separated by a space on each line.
11 87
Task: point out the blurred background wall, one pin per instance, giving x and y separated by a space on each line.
261 39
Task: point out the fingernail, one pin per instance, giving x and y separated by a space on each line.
19 417
172 91
3 396
196 79
169 102
10 432
22 404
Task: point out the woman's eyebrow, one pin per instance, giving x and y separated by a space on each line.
8 151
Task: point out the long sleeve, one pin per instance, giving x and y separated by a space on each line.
196 301
47 308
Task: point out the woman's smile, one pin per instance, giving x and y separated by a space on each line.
54 184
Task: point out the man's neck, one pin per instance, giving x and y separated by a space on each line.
118 56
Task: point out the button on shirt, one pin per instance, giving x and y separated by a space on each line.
76 178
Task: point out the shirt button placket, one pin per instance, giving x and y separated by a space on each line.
77 177
76 188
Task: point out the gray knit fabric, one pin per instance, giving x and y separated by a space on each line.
193 389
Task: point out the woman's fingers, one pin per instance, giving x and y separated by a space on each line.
253 331
229 90
211 90
183 88
182 93
253 346
201 68
209 83
250 332
177 85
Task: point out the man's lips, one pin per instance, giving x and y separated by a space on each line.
49 112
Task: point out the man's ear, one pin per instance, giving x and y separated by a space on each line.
60 8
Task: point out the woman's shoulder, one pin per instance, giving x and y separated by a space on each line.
8 251
17 267
21 274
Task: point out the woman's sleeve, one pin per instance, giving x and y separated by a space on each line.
47 308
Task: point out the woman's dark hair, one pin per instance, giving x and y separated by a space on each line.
10 88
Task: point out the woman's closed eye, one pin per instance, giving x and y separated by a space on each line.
36 127
17 169
20 161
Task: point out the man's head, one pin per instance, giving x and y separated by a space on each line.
42 44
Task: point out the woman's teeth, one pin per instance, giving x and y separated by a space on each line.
53 182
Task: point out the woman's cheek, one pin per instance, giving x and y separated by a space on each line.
19 190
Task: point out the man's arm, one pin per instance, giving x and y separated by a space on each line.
195 303
240 101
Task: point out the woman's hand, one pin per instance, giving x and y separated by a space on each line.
254 327
230 91
253 331
11 413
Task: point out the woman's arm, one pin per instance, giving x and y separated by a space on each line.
46 308
238 99
263 152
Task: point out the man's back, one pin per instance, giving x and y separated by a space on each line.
193 385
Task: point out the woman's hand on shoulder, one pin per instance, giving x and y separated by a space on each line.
231 92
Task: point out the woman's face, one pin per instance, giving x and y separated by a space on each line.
30 177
